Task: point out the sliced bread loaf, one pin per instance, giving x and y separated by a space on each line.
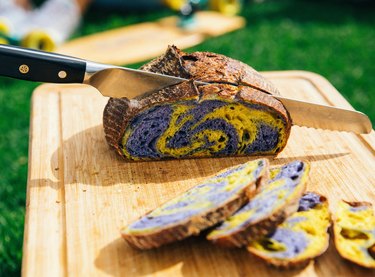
233 114
354 232
275 201
300 238
201 207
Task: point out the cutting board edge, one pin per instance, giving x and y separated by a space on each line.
41 90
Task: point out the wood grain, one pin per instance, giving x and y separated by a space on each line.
80 194
142 41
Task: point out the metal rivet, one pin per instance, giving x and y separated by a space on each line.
23 68
62 74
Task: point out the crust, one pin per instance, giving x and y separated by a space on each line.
358 203
284 264
169 63
216 68
231 78
195 224
209 67
115 118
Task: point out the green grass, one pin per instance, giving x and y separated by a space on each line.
335 39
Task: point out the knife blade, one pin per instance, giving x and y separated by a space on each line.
326 117
114 81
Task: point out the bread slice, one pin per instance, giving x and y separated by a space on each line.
354 232
275 202
233 114
300 238
201 207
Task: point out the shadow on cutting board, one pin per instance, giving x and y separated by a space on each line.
191 257
87 159
197 257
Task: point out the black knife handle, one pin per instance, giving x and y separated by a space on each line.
35 65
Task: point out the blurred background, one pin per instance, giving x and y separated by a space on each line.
334 38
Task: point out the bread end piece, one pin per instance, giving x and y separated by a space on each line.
354 232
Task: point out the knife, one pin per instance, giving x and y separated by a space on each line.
114 81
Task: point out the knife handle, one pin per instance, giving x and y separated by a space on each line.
35 65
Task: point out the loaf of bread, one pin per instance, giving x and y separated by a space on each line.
201 207
300 238
354 232
274 202
234 113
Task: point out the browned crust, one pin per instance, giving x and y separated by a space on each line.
169 63
257 230
209 67
358 203
371 249
283 264
196 224
232 79
216 68
114 121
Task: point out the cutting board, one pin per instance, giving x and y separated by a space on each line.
79 193
142 41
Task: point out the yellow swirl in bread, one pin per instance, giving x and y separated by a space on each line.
354 230
300 238
275 201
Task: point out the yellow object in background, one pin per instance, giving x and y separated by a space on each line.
175 4
39 40
4 31
50 25
4 28
227 7
3 41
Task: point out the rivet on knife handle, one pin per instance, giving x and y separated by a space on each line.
35 65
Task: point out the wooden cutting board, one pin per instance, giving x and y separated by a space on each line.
142 41
80 194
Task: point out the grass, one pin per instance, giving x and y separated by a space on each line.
333 38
